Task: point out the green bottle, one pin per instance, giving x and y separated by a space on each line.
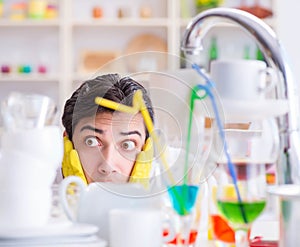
182 60
247 52
213 50
259 55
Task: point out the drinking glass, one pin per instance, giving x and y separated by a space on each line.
28 111
241 210
184 193
184 182
182 148
219 230
241 190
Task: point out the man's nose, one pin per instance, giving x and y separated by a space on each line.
107 165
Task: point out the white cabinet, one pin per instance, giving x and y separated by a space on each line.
61 44
30 50
34 46
116 37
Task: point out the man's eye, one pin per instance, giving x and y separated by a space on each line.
91 142
128 145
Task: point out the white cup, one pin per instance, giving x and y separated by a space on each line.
138 227
25 191
242 79
24 209
20 170
28 163
97 199
45 144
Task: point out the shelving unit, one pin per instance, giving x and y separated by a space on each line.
32 43
59 43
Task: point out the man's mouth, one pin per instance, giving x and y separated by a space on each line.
110 179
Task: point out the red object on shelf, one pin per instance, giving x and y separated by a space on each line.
193 237
259 242
42 69
257 10
5 69
97 12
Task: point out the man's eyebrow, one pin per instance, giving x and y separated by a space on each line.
88 127
100 131
135 132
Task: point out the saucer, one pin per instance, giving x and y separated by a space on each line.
244 110
54 234
86 241
256 109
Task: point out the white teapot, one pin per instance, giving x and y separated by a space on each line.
97 199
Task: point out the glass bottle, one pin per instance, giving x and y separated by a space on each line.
259 55
37 9
1 8
247 52
213 51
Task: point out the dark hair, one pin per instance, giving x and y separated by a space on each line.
111 86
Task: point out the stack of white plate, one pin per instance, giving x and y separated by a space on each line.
53 234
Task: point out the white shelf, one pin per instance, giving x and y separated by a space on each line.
28 78
124 22
61 40
29 23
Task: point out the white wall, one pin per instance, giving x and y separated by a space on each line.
289 33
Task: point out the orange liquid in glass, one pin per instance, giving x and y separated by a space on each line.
222 231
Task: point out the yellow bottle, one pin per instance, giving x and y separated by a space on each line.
37 9
18 11
1 8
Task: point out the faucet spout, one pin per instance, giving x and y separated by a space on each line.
265 37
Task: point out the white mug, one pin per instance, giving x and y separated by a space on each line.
45 144
25 191
239 79
97 199
138 227
25 209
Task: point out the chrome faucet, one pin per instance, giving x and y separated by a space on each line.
265 37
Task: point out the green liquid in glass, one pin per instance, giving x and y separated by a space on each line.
232 210
183 197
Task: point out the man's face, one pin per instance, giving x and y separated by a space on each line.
108 144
